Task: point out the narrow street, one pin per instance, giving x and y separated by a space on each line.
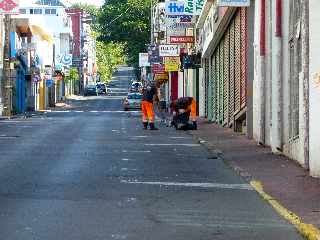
89 172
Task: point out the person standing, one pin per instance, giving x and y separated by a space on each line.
149 93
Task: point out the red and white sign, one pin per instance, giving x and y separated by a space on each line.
9 6
158 68
181 39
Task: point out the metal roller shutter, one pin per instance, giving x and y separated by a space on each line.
226 78
237 62
213 87
244 47
231 72
221 82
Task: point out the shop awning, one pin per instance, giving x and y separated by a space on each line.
30 26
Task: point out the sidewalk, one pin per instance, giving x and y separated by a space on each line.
283 179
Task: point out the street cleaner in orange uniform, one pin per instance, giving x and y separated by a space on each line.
182 109
148 94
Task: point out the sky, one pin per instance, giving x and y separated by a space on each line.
95 2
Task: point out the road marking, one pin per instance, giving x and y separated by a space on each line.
173 144
126 151
200 185
125 159
139 136
307 230
178 137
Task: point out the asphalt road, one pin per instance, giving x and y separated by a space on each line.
89 172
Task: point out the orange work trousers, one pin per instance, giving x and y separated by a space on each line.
193 110
147 111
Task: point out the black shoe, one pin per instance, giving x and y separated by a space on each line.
152 127
195 126
145 125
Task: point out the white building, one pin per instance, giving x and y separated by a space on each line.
314 83
54 18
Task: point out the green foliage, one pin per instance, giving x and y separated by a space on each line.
126 22
110 52
73 75
92 10
109 56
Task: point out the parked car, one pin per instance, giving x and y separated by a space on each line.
135 87
90 90
101 88
132 101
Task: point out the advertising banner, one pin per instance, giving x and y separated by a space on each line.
181 39
144 60
9 6
185 7
169 50
161 77
172 64
158 68
180 22
153 52
234 3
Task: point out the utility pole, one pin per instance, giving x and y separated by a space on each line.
7 83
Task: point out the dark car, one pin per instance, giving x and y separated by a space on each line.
132 101
90 90
135 87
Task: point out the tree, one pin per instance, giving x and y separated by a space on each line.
109 56
90 9
126 22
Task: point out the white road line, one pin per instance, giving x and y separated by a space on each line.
178 137
126 151
200 185
173 144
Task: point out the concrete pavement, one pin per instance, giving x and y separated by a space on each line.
281 178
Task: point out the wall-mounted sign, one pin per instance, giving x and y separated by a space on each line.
234 3
161 77
180 22
169 50
49 83
144 60
181 39
9 6
158 68
153 52
172 64
185 7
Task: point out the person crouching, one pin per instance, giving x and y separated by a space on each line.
184 108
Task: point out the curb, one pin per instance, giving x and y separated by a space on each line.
308 231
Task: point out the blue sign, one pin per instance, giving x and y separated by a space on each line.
49 83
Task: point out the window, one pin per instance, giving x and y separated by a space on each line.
36 11
23 11
51 11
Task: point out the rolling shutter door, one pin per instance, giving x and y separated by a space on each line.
226 78
244 47
221 81
232 72
238 73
